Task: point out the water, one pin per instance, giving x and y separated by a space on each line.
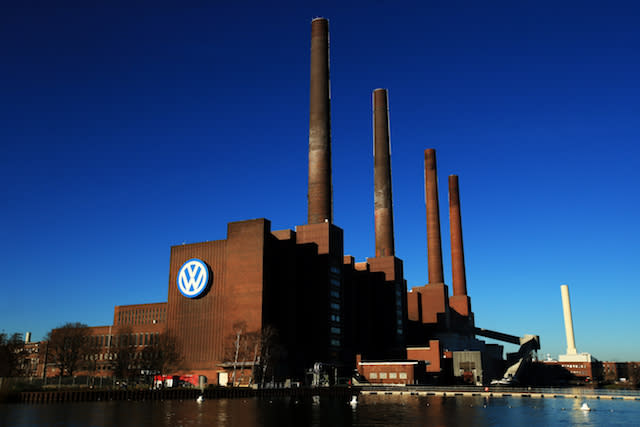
371 410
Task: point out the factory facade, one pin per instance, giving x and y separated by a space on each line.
316 306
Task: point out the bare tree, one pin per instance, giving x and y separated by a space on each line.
11 354
91 358
238 336
243 352
69 346
249 351
162 354
124 351
269 351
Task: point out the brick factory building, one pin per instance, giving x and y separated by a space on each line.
319 305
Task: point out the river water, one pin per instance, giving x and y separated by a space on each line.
371 410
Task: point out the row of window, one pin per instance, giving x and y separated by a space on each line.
142 316
142 338
110 356
391 375
334 305
109 367
399 316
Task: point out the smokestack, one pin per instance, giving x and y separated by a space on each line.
319 196
457 249
568 321
434 243
27 337
383 202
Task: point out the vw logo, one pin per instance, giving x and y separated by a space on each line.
193 278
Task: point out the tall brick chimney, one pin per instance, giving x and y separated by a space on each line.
383 202
319 197
457 248
434 242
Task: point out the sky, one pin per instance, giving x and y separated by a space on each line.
129 127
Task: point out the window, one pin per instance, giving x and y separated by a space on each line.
335 330
403 375
383 375
393 375
335 342
373 375
334 294
335 306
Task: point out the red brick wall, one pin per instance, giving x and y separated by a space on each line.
383 373
414 306
435 300
429 354
461 304
140 314
203 325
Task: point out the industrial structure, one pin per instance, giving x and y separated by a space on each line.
582 366
319 311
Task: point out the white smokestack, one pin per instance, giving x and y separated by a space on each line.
568 321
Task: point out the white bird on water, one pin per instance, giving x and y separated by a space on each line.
354 401
200 399
585 407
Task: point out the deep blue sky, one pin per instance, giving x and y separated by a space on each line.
126 130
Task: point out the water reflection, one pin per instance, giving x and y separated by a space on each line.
578 415
404 410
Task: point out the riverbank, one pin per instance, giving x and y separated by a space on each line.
87 395
91 395
488 393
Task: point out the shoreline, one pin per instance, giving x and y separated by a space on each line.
86 395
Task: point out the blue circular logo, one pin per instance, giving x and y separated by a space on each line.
193 278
